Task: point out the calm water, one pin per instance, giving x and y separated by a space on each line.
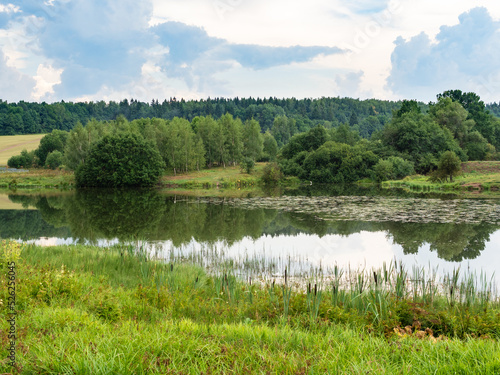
313 228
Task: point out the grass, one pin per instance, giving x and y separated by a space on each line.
37 179
11 145
229 177
88 310
223 182
476 177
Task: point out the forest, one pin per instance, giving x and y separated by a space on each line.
434 138
31 118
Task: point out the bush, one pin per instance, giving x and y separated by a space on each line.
119 161
401 167
272 174
247 165
384 170
54 159
25 160
15 162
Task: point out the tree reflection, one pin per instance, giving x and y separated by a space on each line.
90 215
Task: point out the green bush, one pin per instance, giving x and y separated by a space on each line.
272 174
54 159
121 160
25 160
384 170
247 165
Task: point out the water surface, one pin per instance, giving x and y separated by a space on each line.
361 228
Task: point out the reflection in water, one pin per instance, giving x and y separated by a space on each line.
146 215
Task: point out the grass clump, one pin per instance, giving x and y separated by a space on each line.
87 310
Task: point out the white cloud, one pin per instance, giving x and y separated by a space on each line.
9 8
104 46
14 85
46 78
465 56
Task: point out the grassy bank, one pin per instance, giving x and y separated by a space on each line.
230 181
475 177
37 179
87 310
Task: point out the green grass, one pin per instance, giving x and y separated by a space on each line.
229 177
37 179
11 145
476 177
87 310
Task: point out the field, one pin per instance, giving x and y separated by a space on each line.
11 145
88 310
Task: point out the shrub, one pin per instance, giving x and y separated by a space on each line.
121 160
384 170
247 165
25 160
272 174
54 159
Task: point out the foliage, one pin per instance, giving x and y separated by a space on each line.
272 174
55 141
419 138
54 159
25 160
121 160
449 166
247 164
269 147
393 168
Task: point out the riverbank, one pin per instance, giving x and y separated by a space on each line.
90 310
476 178
225 182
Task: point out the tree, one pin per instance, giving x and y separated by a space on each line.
408 106
51 142
452 116
270 147
121 160
419 139
449 165
79 143
247 164
252 140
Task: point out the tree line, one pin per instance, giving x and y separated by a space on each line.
33 118
454 129
137 152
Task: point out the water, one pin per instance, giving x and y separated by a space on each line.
305 229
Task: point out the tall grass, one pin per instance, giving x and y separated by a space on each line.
84 310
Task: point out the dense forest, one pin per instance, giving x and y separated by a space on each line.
368 143
31 118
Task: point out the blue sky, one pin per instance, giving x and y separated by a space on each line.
143 49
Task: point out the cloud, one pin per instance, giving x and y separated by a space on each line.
367 6
464 56
93 43
348 84
14 85
198 57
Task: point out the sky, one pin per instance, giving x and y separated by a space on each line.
91 50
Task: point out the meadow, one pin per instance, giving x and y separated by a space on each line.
11 145
90 310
